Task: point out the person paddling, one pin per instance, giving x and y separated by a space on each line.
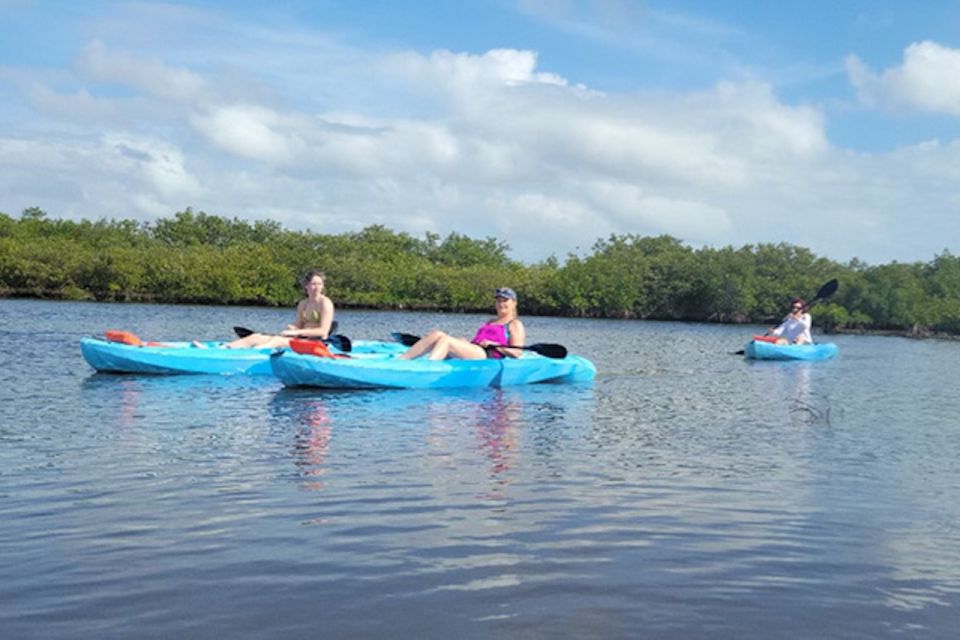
795 328
492 340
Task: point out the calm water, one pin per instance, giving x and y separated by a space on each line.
685 494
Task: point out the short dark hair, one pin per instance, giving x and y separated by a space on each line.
310 275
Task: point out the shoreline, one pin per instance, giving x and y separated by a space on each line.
916 332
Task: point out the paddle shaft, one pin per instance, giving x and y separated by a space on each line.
557 351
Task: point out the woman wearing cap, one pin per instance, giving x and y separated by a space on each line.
795 328
491 341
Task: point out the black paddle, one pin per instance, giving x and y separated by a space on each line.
342 343
557 351
824 292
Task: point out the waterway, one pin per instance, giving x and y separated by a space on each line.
686 493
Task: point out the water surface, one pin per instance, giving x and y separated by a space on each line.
687 493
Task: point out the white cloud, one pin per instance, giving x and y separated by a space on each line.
466 73
927 80
151 76
252 132
631 206
159 165
296 127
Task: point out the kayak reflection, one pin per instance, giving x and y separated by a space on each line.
436 441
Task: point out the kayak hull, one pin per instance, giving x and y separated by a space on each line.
760 350
179 358
296 370
174 358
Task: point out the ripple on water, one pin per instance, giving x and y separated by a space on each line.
687 493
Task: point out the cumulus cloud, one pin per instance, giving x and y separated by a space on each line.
118 175
251 131
159 165
312 134
928 80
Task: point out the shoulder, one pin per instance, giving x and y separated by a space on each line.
515 324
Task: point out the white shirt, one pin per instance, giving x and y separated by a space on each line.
795 329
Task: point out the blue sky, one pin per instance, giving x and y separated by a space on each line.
544 123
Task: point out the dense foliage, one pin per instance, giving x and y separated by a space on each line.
195 257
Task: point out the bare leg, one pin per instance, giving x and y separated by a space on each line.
457 348
259 341
422 345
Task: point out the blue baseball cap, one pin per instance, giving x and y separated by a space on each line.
505 292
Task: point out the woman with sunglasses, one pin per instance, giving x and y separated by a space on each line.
795 328
492 340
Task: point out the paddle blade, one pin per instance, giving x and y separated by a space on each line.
342 343
549 350
406 339
243 332
827 290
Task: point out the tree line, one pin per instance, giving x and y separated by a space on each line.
193 257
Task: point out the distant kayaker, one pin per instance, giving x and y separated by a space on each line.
491 341
314 318
795 328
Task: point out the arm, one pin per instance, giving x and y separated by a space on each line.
518 336
326 320
778 330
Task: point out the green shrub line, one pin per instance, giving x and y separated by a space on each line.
193 257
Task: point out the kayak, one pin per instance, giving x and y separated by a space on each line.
170 358
764 350
174 358
299 370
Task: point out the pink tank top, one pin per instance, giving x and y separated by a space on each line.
494 333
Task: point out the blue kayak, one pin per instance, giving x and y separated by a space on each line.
759 350
373 372
171 358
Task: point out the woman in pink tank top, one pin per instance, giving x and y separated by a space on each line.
492 340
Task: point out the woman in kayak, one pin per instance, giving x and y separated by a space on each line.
795 328
314 318
491 341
